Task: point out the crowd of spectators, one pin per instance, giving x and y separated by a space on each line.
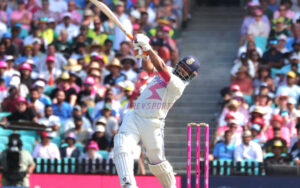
65 65
260 118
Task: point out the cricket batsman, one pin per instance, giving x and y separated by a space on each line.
147 120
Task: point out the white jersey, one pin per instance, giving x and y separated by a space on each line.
159 96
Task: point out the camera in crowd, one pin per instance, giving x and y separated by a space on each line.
12 173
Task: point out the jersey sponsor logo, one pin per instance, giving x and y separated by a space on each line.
159 84
153 106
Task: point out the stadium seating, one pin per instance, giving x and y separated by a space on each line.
4 140
103 153
2 147
5 132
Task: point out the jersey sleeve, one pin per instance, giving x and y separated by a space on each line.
166 76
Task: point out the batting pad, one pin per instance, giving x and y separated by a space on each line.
164 173
123 162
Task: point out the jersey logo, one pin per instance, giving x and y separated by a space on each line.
160 84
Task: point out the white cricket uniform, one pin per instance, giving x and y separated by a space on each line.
146 123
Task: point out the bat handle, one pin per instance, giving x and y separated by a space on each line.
129 36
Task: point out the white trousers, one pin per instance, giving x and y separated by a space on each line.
133 129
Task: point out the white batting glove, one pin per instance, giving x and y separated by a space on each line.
143 41
138 51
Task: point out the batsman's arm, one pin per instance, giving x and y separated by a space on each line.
147 65
159 65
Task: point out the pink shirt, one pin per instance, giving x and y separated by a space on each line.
285 134
75 15
3 16
18 15
290 14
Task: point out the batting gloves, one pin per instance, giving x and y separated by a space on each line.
143 41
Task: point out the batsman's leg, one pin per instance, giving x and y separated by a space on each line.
123 159
152 136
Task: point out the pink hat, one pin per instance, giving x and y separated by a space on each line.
136 26
231 115
166 28
3 64
50 58
21 99
89 80
93 145
235 87
98 57
25 66
45 134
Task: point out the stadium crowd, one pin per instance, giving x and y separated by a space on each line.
65 65
260 118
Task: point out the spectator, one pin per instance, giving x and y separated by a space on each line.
10 102
58 6
21 15
100 89
89 93
72 29
234 107
291 116
277 150
40 84
129 63
243 62
276 136
60 60
124 19
77 112
99 136
96 33
259 28
70 151
52 73
108 52
115 75
25 70
91 154
277 122
81 133
224 149
279 28
290 87
250 47
46 149
248 150
50 120
281 47
9 46
44 12
88 18
62 44
284 12
76 17
243 80
62 109
112 125
23 111
46 32
35 103
24 160
257 135
273 58
63 84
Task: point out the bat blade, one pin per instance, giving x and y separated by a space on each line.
106 10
